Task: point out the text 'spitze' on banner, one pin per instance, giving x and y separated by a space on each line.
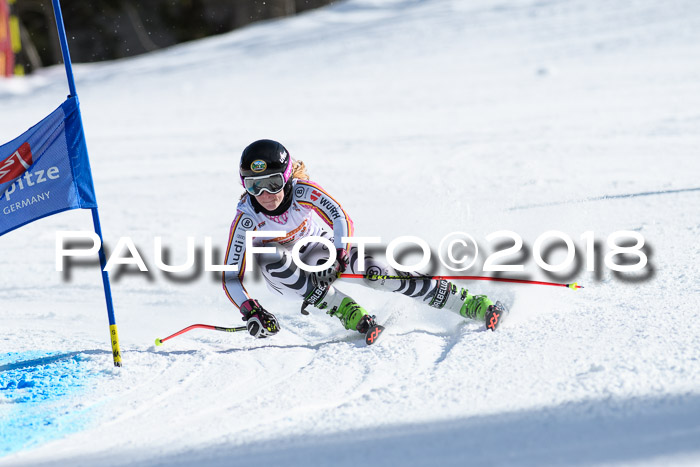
45 170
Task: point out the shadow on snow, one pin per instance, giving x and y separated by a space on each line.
580 433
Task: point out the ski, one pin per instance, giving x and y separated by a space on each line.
373 334
495 315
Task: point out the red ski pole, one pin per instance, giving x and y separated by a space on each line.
200 326
573 285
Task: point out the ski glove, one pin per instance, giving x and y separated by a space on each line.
259 321
326 277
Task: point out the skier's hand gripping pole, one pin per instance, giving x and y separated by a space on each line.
260 322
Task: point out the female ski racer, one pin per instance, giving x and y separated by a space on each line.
279 196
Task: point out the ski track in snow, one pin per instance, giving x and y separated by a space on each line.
422 118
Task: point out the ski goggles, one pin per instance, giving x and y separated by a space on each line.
271 183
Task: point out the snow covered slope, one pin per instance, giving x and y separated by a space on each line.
422 118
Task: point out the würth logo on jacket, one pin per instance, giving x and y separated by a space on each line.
315 195
332 210
15 165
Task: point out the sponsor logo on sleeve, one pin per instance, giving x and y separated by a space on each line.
247 222
331 207
237 250
299 192
315 195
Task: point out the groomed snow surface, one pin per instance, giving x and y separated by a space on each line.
422 118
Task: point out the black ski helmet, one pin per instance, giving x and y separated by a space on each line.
265 157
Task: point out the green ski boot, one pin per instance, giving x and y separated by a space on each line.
351 315
336 303
476 307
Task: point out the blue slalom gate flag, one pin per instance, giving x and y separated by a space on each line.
45 170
